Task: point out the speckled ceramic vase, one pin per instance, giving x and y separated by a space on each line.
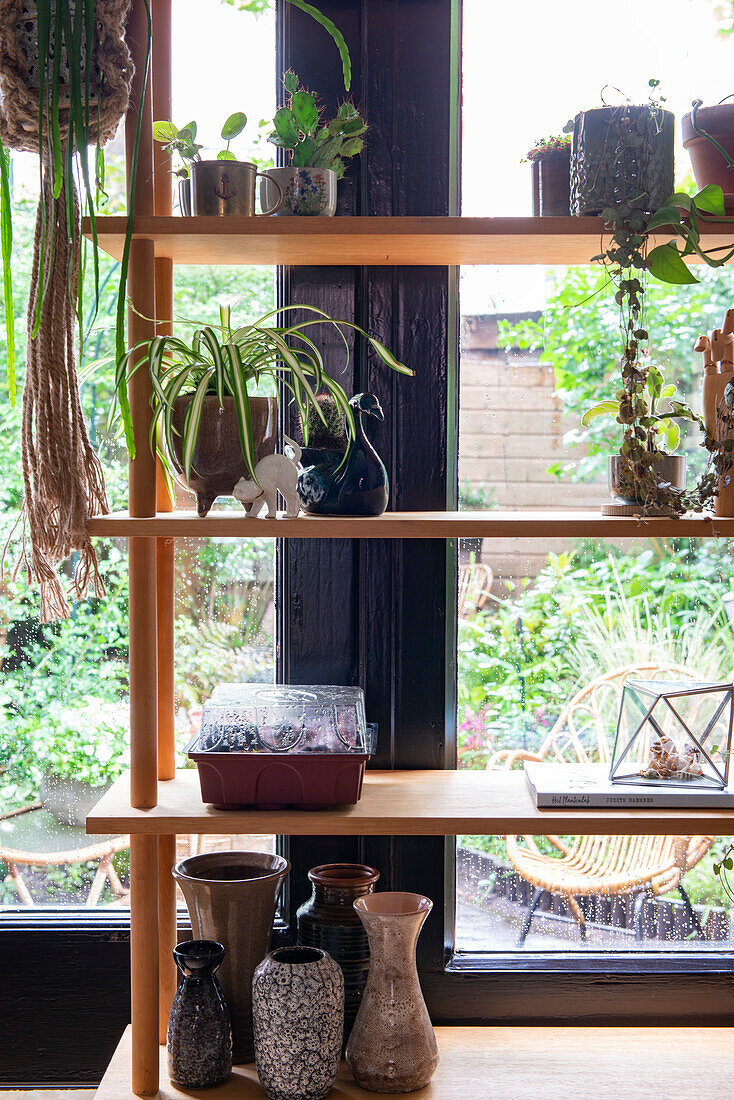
199 1032
298 1013
328 920
231 898
392 1047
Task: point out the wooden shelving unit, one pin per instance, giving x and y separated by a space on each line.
413 525
517 1063
393 803
154 803
369 241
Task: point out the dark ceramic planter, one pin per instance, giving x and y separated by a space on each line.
551 180
640 176
709 167
218 462
329 921
199 1031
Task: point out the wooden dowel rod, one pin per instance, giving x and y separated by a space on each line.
144 963
167 931
142 564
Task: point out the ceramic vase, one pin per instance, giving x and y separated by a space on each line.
231 898
307 192
298 1015
199 1031
328 920
392 1047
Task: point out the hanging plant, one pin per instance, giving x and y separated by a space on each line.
65 78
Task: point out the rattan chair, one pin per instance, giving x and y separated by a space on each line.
606 865
475 583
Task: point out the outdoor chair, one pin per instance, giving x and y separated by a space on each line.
475 583
606 865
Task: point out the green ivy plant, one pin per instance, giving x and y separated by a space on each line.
239 362
183 141
311 142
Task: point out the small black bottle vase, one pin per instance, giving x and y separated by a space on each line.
199 1031
328 920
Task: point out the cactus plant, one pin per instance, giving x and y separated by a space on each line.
311 142
326 431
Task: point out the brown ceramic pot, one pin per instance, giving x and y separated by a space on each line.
328 920
551 179
218 462
708 164
392 1047
231 899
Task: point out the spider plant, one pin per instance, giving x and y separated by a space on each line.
237 362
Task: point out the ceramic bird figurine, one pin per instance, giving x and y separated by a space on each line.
350 484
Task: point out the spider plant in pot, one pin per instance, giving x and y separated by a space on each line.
214 403
550 161
317 151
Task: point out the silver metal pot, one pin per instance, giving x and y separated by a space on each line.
670 469
184 197
226 187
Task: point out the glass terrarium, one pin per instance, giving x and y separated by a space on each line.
673 734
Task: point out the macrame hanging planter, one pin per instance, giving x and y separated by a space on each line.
63 480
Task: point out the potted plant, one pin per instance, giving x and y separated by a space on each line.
317 152
83 753
223 186
708 135
622 155
214 403
550 164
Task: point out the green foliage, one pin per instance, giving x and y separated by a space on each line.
325 427
476 498
311 142
183 141
550 146
87 742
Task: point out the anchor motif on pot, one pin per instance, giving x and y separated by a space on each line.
224 192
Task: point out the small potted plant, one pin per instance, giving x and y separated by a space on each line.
213 406
84 751
550 163
317 151
622 155
224 186
708 135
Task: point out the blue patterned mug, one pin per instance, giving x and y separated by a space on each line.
306 191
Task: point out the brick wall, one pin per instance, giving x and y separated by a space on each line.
510 431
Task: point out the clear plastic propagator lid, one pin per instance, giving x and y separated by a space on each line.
284 719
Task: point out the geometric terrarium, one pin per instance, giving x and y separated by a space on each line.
673 734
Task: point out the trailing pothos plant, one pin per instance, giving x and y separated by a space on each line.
223 361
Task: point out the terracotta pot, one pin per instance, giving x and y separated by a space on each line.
298 1014
641 176
218 462
392 1047
328 920
551 179
708 164
231 899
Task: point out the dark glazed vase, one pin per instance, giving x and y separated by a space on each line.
231 898
218 463
328 920
298 1015
551 177
199 1032
355 485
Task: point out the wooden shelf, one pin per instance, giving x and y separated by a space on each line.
414 525
395 803
515 1063
371 241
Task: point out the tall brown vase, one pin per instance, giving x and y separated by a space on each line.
392 1047
231 899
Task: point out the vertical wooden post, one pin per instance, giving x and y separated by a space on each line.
167 930
142 566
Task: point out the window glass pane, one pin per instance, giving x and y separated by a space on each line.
64 688
542 620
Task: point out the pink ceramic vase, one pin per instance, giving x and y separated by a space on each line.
392 1047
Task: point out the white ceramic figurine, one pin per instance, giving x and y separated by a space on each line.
273 474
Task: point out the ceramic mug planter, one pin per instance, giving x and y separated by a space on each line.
392 1047
231 899
218 463
551 181
708 164
224 188
670 469
298 1017
639 174
309 192
199 1041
